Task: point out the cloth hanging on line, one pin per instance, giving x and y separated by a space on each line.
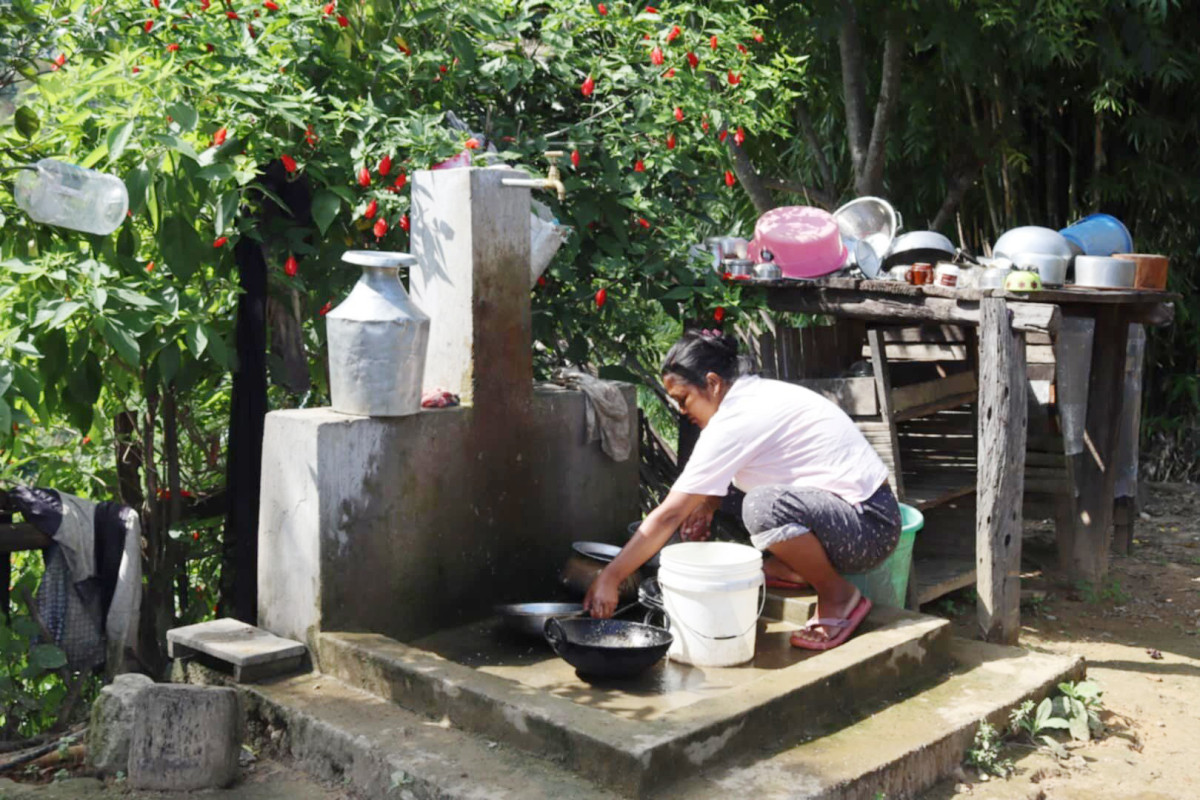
606 409
91 589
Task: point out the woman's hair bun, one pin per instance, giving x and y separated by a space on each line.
700 351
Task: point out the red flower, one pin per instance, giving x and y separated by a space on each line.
739 136
603 9
372 207
601 298
364 177
231 14
325 308
385 165
471 144
150 267
250 30
220 241
670 141
219 136
575 159
678 114
718 313
442 68
734 80
728 276
741 48
693 60
589 86
271 6
669 73
173 48
380 228
656 56
758 37
310 136
404 223
195 536
674 34
205 5
645 223
712 41
291 266
136 70
638 166
704 124
149 26
289 163
342 21
154 3
401 179
651 10
721 136
541 281
209 47
328 9
59 60
729 179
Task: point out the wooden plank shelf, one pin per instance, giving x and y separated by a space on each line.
931 488
940 576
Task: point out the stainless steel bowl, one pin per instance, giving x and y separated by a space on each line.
768 271
1032 239
1104 272
529 619
739 267
871 220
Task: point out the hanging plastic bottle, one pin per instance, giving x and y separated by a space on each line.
56 193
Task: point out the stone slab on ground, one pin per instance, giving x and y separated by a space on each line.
184 738
253 653
639 735
110 729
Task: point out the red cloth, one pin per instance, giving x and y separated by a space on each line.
438 398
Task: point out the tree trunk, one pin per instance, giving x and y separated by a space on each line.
854 88
248 408
804 122
749 178
869 179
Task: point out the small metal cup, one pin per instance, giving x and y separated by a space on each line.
739 267
768 271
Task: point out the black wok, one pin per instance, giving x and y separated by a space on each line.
607 648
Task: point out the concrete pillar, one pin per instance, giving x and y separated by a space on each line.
470 234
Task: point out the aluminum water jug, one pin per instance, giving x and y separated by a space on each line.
377 341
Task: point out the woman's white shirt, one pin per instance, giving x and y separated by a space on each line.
768 432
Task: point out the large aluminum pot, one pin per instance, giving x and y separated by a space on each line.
1104 272
917 247
1032 239
586 561
377 341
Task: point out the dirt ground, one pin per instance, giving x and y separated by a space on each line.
1140 634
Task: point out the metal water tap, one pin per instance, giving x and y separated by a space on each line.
553 179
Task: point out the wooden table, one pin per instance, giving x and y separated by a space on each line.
1002 320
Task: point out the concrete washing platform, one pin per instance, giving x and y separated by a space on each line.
469 712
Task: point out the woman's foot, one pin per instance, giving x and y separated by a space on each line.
833 622
781 576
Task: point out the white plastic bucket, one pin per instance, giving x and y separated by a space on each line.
713 594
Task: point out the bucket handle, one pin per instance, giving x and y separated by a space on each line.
762 603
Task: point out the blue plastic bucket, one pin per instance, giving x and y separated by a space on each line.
887 584
1099 235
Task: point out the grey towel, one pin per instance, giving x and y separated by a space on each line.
607 411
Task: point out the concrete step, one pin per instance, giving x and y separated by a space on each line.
905 748
340 733
640 736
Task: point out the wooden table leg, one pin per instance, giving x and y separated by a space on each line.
1096 475
1125 491
1001 473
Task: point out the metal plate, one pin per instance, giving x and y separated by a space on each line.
378 258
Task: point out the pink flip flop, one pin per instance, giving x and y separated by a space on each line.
845 627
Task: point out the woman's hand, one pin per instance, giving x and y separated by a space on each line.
602 596
698 526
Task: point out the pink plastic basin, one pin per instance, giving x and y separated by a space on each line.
805 241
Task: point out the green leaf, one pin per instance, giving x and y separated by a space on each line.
27 122
24 625
180 246
6 376
47 657
176 144
118 138
216 172
5 420
168 362
55 313
184 115
121 340
226 211
217 349
195 335
679 293
136 183
132 298
93 158
20 267
325 207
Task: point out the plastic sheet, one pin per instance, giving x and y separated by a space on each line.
1072 375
